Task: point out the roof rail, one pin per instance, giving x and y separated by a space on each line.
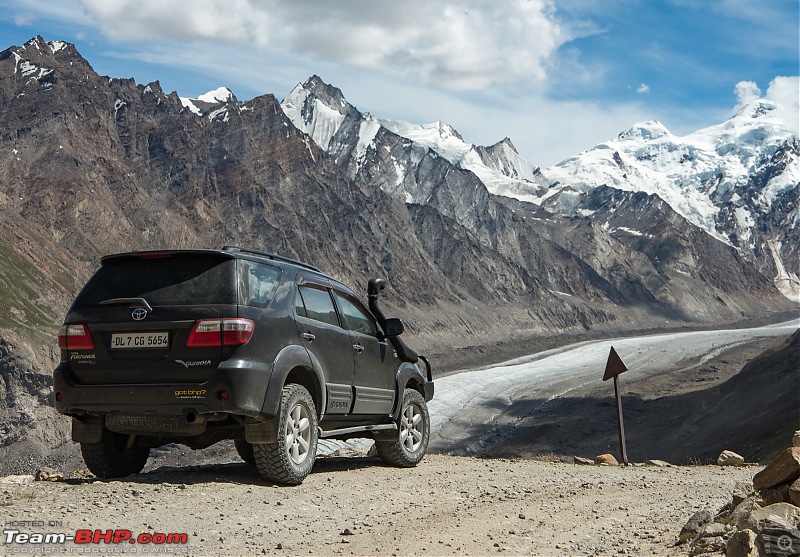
237 249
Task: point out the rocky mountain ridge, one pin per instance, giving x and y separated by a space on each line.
739 181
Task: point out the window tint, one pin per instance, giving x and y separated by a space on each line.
259 282
355 316
176 281
299 306
318 305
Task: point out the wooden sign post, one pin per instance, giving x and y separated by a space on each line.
614 367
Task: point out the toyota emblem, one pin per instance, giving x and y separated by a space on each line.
139 314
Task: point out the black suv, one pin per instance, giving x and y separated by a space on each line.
197 346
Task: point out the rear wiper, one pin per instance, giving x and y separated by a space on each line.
119 301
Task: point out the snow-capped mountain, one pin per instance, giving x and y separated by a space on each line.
212 104
322 112
739 181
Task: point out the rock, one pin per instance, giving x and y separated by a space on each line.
48 475
772 495
694 526
19 479
659 463
776 539
712 530
729 458
740 515
779 515
784 469
346 532
794 493
708 545
742 544
581 460
741 491
796 439
606 459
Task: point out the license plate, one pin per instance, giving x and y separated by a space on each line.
140 340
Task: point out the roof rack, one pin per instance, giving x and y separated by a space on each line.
237 249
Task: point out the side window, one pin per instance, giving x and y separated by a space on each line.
259 283
318 305
356 317
299 305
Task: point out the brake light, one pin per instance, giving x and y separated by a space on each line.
237 331
221 332
75 337
155 255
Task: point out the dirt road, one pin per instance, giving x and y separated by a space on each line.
356 506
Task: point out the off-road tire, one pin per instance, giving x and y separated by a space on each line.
290 459
411 442
245 451
110 458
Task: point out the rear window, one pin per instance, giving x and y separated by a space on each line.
163 282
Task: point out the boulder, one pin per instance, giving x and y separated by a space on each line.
776 539
581 460
742 544
741 491
784 469
730 458
606 459
779 515
658 463
794 493
740 517
708 545
772 495
695 525
48 475
712 530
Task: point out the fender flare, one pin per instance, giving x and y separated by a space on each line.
407 372
288 359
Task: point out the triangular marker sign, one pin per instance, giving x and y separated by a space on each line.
614 366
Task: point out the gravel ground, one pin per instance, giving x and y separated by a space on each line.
356 506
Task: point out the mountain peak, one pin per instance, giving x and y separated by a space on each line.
505 142
652 129
219 95
328 94
758 109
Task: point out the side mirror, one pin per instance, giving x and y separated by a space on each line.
393 327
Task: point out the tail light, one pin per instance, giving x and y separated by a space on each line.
221 332
75 337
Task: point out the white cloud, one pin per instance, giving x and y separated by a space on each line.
747 92
785 91
643 88
24 19
468 46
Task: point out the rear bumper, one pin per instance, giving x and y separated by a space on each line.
245 387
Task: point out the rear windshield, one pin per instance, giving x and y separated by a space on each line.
163 282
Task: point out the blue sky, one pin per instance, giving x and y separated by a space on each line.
557 77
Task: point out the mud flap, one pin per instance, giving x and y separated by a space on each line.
87 429
261 432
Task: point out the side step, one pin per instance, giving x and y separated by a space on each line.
357 429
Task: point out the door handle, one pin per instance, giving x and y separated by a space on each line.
358 348
308 336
